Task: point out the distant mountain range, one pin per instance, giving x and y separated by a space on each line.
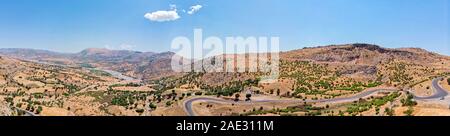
132 63
30 81
150 65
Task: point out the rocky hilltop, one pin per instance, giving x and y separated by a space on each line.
365 60
74 87
145 65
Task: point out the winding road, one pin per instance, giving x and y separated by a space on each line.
190 112
27 113
439 92
117 75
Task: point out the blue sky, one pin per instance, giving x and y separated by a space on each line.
73 25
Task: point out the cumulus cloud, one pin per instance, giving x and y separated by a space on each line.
163 15
170 15
194 9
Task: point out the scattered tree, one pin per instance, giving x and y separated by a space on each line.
39 110
409 112
409 101
236 97
168 103
140 111
198 93
389 111
248 96
152 106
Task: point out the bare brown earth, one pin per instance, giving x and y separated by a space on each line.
423 89
72 88
445 84
5 109
431 109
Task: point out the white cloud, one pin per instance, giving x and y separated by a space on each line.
162 16
194 9
170 15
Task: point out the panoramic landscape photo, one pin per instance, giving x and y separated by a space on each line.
223 58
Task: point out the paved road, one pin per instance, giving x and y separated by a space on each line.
188 104
113 73
439 92
118 75
27 113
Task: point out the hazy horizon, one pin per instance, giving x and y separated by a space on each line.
172 51
150 26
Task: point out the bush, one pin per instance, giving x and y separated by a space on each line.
409 101
389 112
168 103
198 93
133 85
366 105
39 110
123 99
8 99
373 84
248 96
409 112
236 97
152 106
72 88
140 111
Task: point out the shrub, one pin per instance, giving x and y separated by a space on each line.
168 103
123 99
198 93
248 96
409 101
140 111
359 107
409 112
152 106
39 110
389 112
236 97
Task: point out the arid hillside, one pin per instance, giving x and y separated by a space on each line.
91 82
350 63
143 65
